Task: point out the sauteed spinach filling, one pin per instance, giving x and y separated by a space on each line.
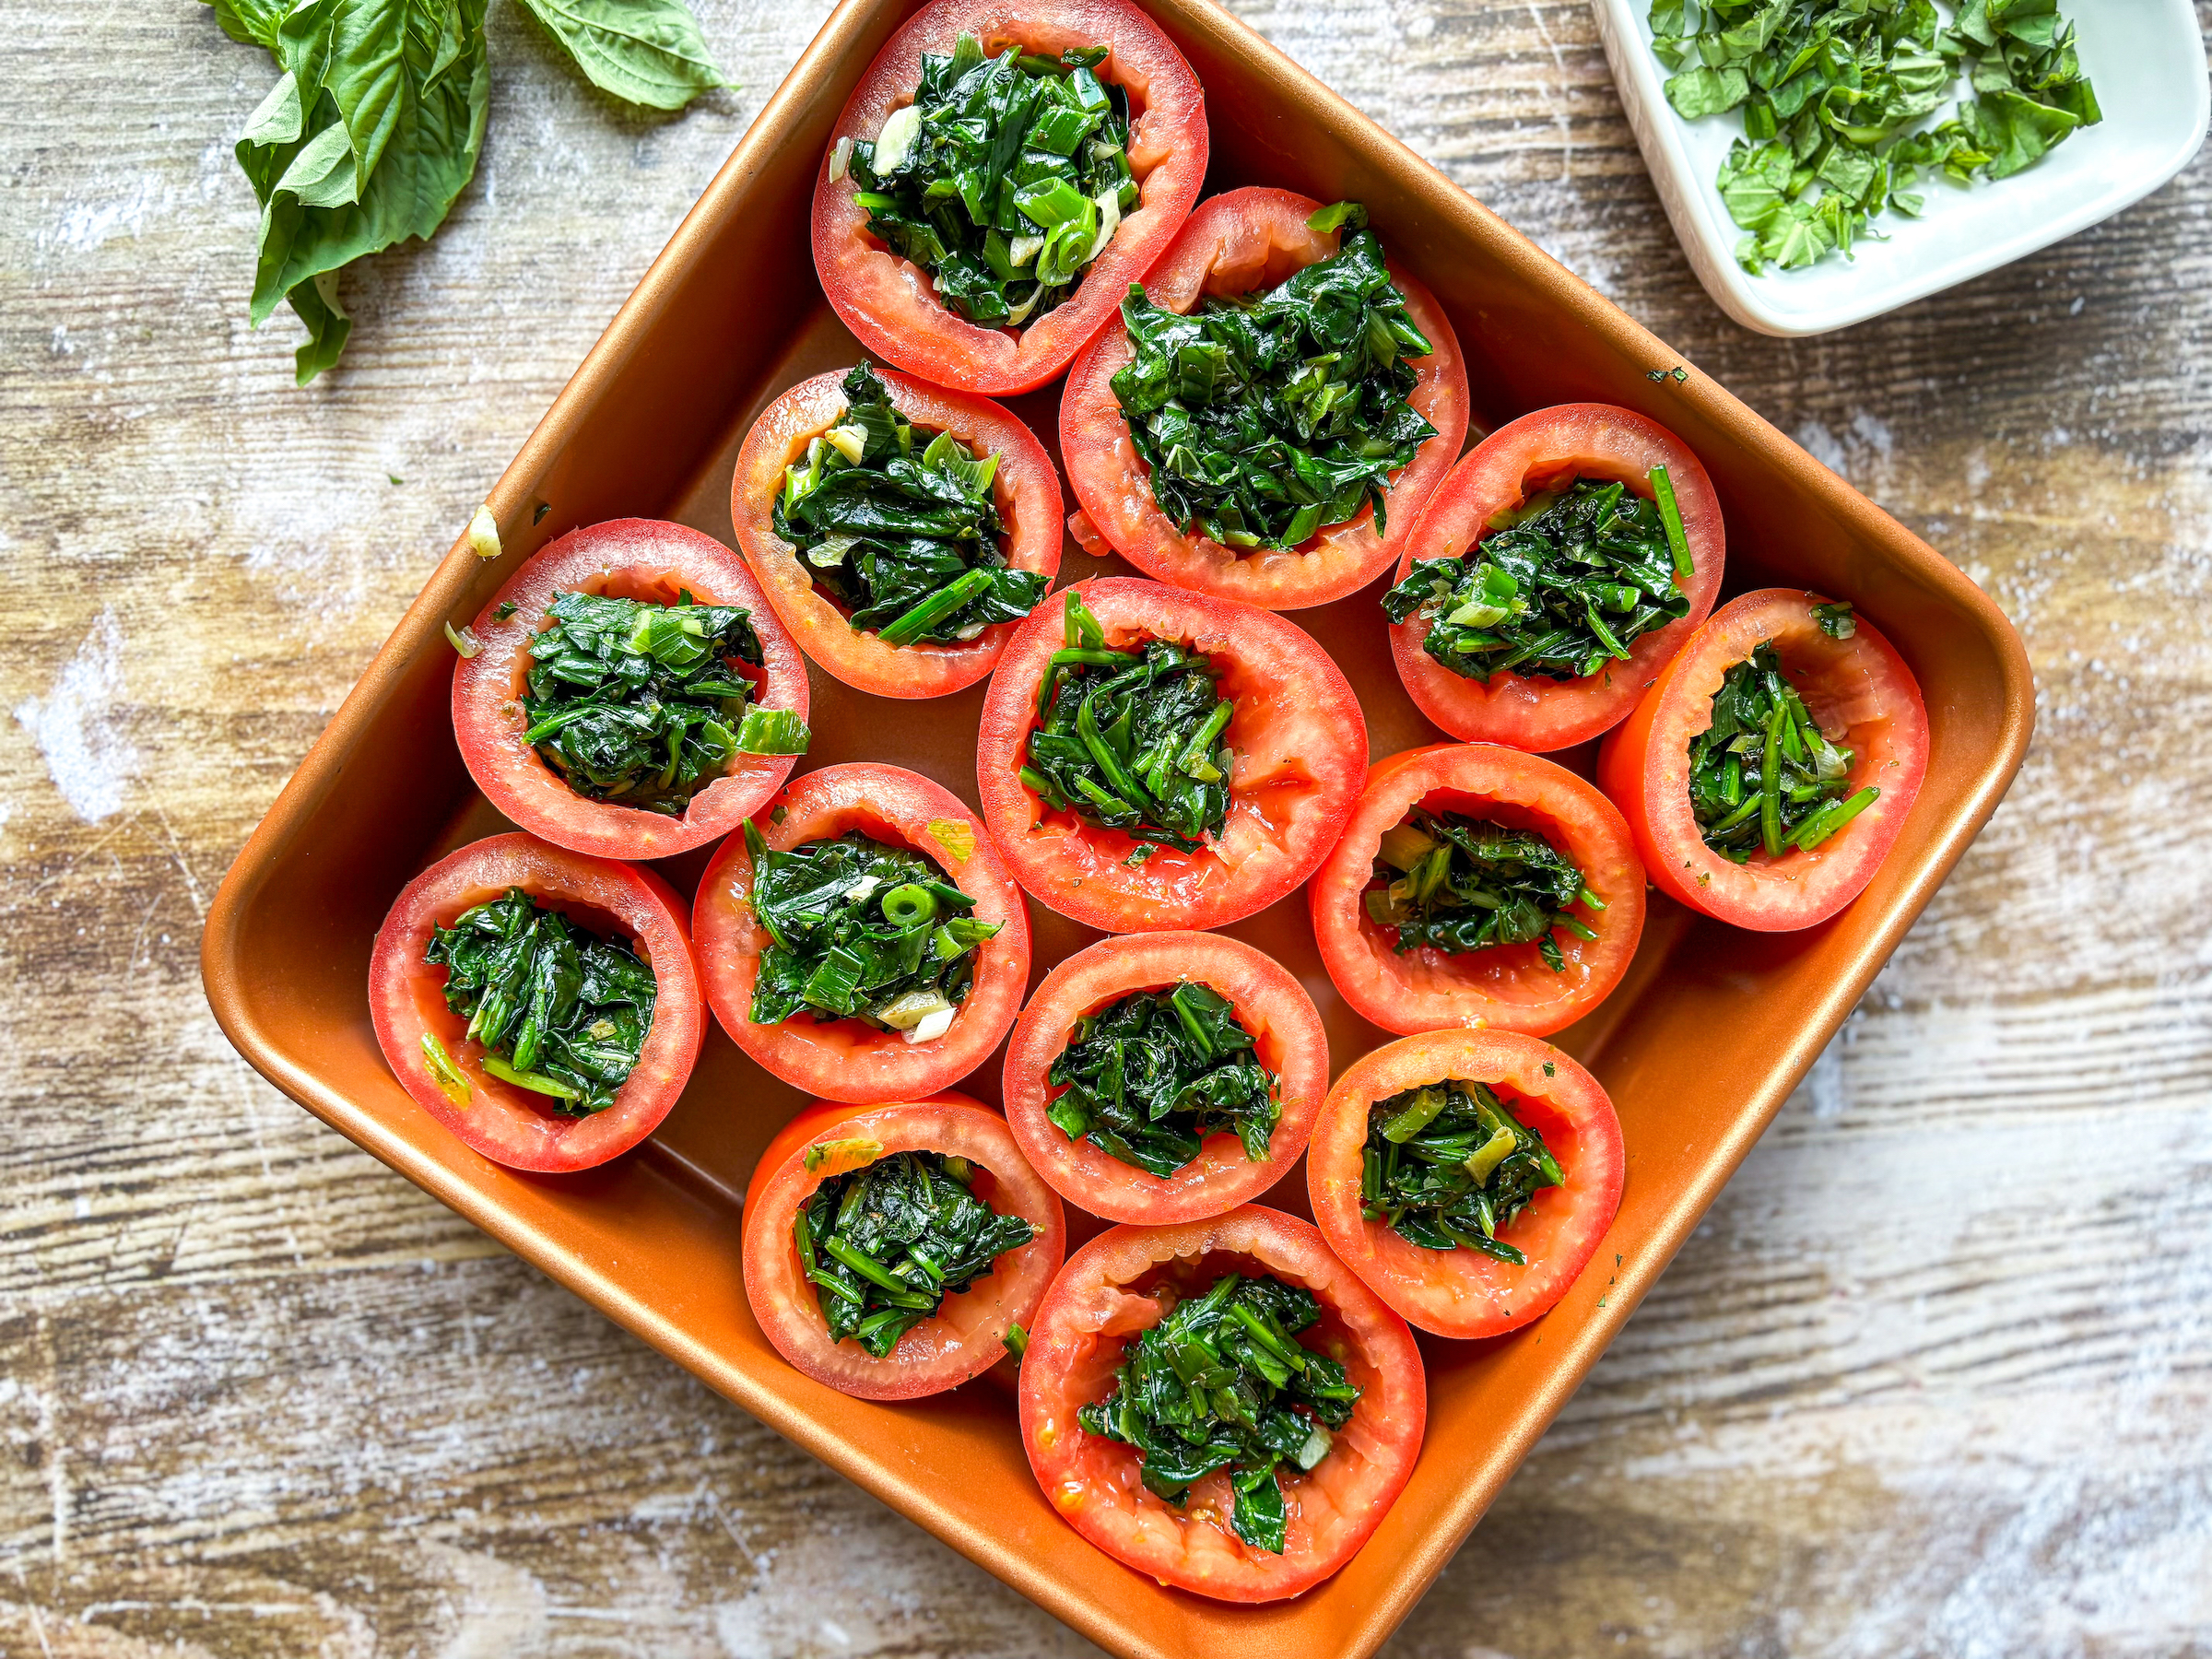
1763 775
1149 1078
1446 1166
1460 884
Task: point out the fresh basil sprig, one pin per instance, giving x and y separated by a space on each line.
884 1244
1564 584
1446 1166
1222 1383
1270 416
898 523
860 929
559 1010
1003 179
1832 93
1132 740
1149 1078
1763 774
1461 884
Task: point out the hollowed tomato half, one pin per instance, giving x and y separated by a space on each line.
1125 1281
1239 243
1509 986
1545 451
848 1059
1863 695
1466 1293
507 1124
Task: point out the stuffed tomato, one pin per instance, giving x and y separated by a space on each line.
1477 886
1166 1076
1266 420
900 530
1152 758
1000 177
1466 1176
888 1249
1552 576
541 1004
1768 773
1249 1509
862 940
629 692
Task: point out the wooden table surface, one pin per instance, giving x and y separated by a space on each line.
1933 1378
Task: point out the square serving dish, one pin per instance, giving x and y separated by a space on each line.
1698 1047
2146 59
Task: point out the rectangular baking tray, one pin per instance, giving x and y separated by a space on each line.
1698 1047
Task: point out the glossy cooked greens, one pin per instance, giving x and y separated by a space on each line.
1222 1383
1132 740
1832 92
1461 884
898 523
1003 179
1446 1166
1272 415
1764 775
1563 585
638 704
560 1011
1150 1076
861 930
887 1243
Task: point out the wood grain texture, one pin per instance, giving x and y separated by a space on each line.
1936 1376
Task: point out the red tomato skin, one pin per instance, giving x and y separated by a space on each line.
1078 1341
1273 1006
889 302
1463 1293
1590 440
406 997
1861 684
1506 986
966 1336
1300 739
1236 243
1028 493
637 559
844 1060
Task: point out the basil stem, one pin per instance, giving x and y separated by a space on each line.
1763 774
1447 1167
1458 884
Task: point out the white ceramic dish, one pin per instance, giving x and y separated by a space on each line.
2146 59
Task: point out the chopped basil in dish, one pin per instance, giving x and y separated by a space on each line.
1132 739
1222 1383
638 704
887 1243
1149 1078
1764 775
559 1010
1267 417
1447 1167
861 930
1564 584
1461 884
898 523
1003 179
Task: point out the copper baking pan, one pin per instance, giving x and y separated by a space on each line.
1698 1047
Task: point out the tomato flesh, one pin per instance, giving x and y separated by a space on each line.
1859 687
889 302
1237 242
631 558
1299 740
967 1334
1464 1293
1120 1284
507 1124
1507 986
1027 495
1272 1006
1544 450
846 1059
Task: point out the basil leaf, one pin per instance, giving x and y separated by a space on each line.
644 52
